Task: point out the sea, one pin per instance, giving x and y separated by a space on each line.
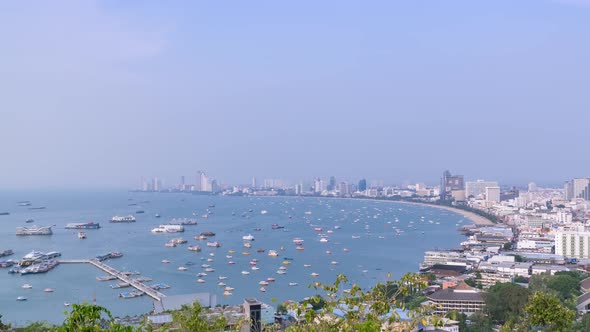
366 241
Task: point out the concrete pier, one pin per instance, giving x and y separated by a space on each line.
114 272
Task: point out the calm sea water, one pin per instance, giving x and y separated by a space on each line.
379 249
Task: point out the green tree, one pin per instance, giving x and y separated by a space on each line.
505 301
565 285
86 317
583 325
546 311
193 318
3 327
521 279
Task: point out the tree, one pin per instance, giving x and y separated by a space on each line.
193 318
583 325
505 301
86 317
566 286
546 311
521 279
3 327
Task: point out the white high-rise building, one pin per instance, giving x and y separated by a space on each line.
573 242
318 185
205 182
253 182
493 194
477 188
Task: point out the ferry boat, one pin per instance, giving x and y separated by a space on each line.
84 225
35 257
126 219
81 235
34 230
168 229
248 237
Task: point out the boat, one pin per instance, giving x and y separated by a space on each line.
328 252
260 250
66 304
106 278
209 269
245 253
293 284
81 235
7 263
263 212
270 279
6 253
165 261
21 298
194 248
213 244
34 230
221 278
157 215
221 284
28 221
345 250
231 252
263 283
324 240
36 257
227 293
277 226
84 225
318 229
183 221
356 237
245 273
286 263
168 229
120 285
255 268
281 272
334 262
300 248
288 258
298 241
37 208
273 253
182 268
248 237
26 286
139 211
126 219
200 281
48 290
170 244
207 234
315 274
201 274
231 262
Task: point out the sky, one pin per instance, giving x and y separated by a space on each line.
99 93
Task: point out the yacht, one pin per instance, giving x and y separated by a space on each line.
273 253
182 268
324 240
34 230
83 225
248 237
200 281
168 229
126 219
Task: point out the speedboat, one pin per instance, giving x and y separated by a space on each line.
262 289
26 286
165 261
221 278
263 283
21 298
66 304
182 268
245 273
315 274
255 268
306 265
48 290
248 237
293 284
200 281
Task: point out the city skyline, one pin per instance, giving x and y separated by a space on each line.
393 91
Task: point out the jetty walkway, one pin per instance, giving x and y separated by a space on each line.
119 275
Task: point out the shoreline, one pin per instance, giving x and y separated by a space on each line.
474 218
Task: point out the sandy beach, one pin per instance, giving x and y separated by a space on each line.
475 218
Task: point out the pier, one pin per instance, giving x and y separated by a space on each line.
119 275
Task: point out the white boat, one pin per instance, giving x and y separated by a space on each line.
213 244
221 278
315 274
273 253
200 281
182 268
81 235
66 304
228 289
227 293
48 290
245 273
334 262
201 274
263 283
262 289
356 237
21 298
209 269
298 241
255 268
222 284
324 240
26 286
168 229
247 245
118 219
263 212
293 284
248 237
165 261
281 272
306 265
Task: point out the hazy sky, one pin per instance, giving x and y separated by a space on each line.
98 93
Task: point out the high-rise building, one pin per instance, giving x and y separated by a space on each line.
362 185
343 188
144 184
332 184
182 183
198 181
532 186
493 194
573 243
450 183
578 188
477 189
298 189
318 186
253 182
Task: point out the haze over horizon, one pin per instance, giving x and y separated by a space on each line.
99 93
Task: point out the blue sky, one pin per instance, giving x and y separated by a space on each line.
95 94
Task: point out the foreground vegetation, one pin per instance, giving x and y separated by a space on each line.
547 305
